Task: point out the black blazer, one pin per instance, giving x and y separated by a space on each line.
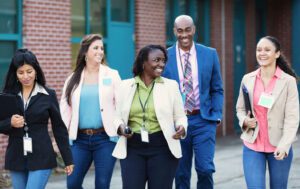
41 107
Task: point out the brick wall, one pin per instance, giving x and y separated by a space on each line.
46 32
224 47
149 23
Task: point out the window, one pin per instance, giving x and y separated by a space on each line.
10 33
88 16
197 9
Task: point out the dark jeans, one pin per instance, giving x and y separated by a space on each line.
200 141
150 162
85 150
255 169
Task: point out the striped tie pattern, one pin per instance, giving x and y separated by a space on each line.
188 84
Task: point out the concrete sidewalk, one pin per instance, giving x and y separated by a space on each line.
229 169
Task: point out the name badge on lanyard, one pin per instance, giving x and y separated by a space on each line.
266 100
144 135
27 144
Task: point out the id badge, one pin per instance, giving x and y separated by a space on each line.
266 100
144 135
107 81
27 144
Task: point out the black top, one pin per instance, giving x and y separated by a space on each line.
41 107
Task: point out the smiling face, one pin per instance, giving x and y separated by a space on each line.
95 52
266 54
155 64
184 31
26 75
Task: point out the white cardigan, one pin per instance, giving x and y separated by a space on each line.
109 80
168 107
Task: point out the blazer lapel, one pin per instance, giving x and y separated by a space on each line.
129 96
173 63
279 85
200 61
101 74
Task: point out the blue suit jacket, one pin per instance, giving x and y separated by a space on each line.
209 76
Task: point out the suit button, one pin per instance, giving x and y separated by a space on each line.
101 110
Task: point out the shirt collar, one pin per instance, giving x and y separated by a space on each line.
277 74
139 81
37 89
192 50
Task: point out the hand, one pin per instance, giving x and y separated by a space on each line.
180 132
125 131
279 154
250 122
69 169
17 121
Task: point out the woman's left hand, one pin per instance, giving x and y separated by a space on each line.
69 169
279 154
180 132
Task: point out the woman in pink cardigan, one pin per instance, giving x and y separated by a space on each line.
87 108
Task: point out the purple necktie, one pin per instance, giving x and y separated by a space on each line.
188 84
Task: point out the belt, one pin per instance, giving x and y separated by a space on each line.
91 131
194 112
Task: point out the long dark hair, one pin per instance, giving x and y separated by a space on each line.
81 63
20 58
281 61
142 57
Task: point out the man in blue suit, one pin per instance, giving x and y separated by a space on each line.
197 70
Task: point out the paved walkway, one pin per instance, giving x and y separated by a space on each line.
228 160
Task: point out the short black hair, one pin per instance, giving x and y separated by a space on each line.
143 55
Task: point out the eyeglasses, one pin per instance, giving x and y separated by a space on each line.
157 59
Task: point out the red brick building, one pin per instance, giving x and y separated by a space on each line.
52 29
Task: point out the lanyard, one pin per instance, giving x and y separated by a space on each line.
145 104
181 65
25 108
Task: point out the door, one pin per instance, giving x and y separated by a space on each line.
239 51
120 40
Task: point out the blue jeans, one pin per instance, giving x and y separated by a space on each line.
200 140
85 150
30 179
255 169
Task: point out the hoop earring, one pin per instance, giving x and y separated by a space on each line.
85 59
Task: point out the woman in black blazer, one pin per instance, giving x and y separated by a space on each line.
29 154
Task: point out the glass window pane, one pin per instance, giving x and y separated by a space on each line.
120 11
8 16
7 50
75 51
78 18
169 20
183 7
98 16
200 21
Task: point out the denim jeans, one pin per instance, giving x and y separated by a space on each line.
30 179
200 141
85 150
255 169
